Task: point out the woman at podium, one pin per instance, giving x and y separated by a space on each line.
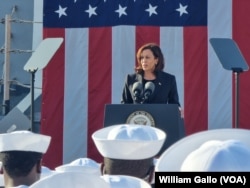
149 83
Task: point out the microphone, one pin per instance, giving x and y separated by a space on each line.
136 89
148 90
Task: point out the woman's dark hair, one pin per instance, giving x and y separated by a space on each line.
156 50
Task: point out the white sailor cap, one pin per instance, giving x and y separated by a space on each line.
129 141
217 155
72 180
172 159
24 141
124 181
46 171
81 165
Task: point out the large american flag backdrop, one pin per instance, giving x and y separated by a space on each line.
101 38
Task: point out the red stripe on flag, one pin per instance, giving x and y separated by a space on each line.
241 34
195 79
52 102
146 34
99 89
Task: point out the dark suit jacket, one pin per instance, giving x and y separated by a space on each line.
165 89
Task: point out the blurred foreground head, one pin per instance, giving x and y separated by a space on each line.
71 179
211 150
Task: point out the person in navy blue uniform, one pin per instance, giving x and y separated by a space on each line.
149 83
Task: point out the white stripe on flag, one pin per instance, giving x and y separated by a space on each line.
75 94
123 58
171 42
220 80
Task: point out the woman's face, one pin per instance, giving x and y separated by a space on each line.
148 61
